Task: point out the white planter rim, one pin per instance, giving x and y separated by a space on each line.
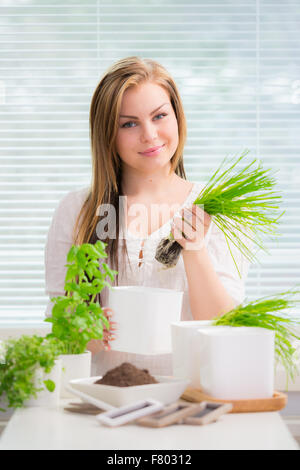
74 355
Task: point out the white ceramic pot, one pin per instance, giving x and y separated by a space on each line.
184 359
46 398
144 316
74 366
236 363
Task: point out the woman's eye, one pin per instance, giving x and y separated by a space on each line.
162 114
131 122
126 124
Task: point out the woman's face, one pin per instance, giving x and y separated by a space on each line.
146 120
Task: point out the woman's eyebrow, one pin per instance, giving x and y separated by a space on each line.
135 117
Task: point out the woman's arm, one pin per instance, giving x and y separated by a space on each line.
208 297
207 294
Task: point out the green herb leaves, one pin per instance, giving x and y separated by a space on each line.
22 358
77 318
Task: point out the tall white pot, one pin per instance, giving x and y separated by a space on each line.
184 359
74 366
46 398
236 363
144 316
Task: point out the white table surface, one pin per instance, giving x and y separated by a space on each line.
42 428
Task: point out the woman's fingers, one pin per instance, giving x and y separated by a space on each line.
112 324
112 328
108 334
108 311
190 227
108 337
194 217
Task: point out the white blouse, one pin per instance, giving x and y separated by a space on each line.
143 272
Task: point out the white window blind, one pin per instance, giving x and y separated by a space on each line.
237 66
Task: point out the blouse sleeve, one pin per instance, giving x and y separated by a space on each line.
58 243
224 264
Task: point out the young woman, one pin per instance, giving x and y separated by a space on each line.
138 132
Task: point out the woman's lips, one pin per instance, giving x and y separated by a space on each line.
153 153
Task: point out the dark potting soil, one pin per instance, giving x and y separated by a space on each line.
127 375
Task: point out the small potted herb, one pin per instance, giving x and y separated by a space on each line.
264 313
77 317
29 372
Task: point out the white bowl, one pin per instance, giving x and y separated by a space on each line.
168 390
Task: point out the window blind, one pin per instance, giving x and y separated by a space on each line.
237 66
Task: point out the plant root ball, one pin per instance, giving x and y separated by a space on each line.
168 252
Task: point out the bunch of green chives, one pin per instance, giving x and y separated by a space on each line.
241 203
264 313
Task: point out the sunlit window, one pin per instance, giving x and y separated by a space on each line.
237 66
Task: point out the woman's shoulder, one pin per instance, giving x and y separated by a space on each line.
69 207
74 199
198 183
196 186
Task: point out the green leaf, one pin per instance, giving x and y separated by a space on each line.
95 308
100 246
81 309
90 272
72 286
61 307
108 271
71 256
90 250
71 273
81 259
50 385
80 322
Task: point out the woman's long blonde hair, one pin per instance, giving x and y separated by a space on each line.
106 164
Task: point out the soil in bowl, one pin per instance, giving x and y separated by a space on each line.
127 375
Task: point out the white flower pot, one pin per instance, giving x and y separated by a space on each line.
46 398
144 316
236 363
184 359
74 366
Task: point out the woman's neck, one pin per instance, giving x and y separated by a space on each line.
142 186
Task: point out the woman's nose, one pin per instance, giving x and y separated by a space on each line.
148 133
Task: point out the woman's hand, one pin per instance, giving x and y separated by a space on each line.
190 227
97 345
